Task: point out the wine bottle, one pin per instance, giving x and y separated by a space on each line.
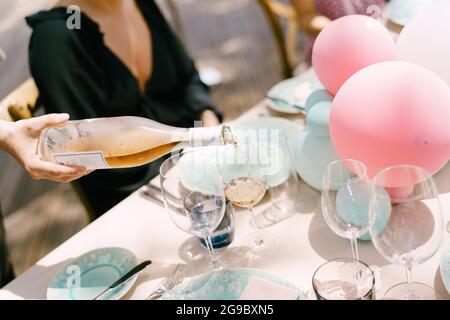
121 142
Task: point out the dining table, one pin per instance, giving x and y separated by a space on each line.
140 224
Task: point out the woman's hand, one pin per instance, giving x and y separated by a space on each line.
20 139
209 119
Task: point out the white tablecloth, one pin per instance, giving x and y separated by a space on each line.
144 227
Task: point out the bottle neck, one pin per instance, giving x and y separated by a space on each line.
205 136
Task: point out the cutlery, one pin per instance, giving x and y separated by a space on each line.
292 104
124 278
168 283
152 193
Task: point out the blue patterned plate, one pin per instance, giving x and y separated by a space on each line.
227 284
293 91
445 266
85 277
402 11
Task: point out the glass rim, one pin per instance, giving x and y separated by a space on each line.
204 212
351 160
370 290
178 155
363 177
427 173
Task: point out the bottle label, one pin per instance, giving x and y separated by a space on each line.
90 160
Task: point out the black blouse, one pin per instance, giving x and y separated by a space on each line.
77 73
6 270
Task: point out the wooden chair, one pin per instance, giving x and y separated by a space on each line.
309 20
275 10
299 15
20 104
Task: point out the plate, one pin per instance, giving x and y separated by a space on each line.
225 156
445 266
293 91
227 284
402 11
86 276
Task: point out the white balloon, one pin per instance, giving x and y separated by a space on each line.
425 40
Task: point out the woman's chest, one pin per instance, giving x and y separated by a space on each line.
129 39
123 93
164 78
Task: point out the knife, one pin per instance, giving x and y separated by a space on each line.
124 278
151 194
293 104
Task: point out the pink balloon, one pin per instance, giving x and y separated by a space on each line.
393 113
348 45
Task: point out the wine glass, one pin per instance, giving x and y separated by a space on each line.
336 280
285 187
345 200
193 195
246 192
407 224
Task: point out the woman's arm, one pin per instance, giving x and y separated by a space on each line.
20 139
209 118
195 92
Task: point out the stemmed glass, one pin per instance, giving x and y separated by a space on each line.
345 200
406 224
193 195
335 280
246 192
284 188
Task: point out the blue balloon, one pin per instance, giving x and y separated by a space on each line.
352 205
312 155
317 96
318 119
314 149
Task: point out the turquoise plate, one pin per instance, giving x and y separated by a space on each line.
445 266
226 284
402 11
85 277
293 91
225 156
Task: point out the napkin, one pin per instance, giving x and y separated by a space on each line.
261 289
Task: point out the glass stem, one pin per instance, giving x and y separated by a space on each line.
214 261
355 254
257 240
411 291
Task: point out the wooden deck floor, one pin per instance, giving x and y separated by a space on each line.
230 35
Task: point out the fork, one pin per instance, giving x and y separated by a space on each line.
292 104
168 283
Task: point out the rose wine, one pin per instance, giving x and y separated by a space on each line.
245 191
121 142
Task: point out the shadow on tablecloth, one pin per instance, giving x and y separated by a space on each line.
330 246
35 281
